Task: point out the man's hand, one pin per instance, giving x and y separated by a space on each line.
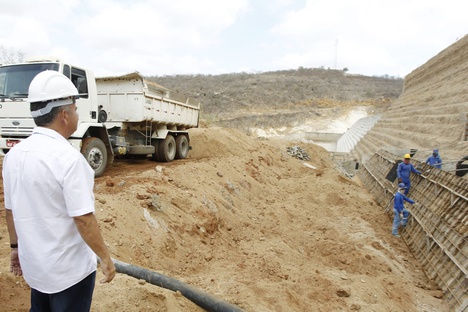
401 215
108 268
15 266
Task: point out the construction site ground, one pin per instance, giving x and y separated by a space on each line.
243 220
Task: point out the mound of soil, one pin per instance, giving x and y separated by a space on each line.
243 220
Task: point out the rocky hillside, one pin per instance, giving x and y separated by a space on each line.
282 98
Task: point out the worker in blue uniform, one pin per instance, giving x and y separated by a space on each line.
404 170
400 213
435 160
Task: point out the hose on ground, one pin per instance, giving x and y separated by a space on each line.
197 296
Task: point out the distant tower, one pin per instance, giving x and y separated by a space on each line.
336 53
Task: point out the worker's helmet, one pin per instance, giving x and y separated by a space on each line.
435 151
401 186
53 87
407 156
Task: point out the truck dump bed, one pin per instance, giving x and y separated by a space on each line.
132 98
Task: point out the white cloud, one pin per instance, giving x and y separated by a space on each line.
157 36
370 34
210 36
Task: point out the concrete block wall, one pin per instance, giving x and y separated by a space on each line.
431 111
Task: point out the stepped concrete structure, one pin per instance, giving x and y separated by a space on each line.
430 113
348 141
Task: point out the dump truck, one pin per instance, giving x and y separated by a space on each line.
120 116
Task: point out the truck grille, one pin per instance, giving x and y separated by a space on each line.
16 132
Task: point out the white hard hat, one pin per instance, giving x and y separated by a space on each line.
51 86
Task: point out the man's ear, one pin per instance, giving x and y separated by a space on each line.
64 115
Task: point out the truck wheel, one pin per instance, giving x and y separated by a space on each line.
95 152
156 156
182 146
167 149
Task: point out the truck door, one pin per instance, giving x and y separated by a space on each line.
84 104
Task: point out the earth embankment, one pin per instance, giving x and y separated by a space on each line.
245 221
430 113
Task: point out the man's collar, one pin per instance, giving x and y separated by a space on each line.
49 132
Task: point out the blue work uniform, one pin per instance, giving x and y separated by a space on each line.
398 207
403 173
434 161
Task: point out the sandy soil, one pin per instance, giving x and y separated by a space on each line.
244 221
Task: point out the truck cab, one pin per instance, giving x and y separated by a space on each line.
16 122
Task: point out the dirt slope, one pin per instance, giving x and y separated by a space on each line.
244 221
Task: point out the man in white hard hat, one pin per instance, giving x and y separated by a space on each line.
404 170
49 203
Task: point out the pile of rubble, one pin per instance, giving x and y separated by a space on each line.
298 152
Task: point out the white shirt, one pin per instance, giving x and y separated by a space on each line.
47 182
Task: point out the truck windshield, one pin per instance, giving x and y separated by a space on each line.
15 79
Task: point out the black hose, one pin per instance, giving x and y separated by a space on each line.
197 296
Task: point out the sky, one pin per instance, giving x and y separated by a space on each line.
161 37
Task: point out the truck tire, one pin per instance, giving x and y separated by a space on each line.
182 146
95 153
167 149
156 156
